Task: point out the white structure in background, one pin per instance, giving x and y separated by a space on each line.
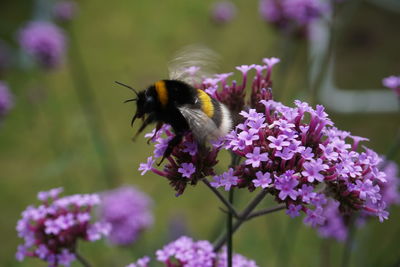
341 99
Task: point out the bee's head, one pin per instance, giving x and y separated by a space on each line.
145 102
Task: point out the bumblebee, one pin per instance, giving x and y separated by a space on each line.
182 106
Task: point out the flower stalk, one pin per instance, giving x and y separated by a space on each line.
82 260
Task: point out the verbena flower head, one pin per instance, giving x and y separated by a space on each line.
45 42
52 229
304 160
292 16
185 252
187 163
223 12
392 82
65 10
6 99
337 224
128 211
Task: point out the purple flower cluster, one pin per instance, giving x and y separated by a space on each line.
392 82
292 16
45 42
65 10
142 262
127 210
52 229
6 99
223 12
336 224
184 252
187 165
300 158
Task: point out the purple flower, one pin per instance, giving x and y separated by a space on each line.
292 16
142 262
262 180
278 143
286 184
223 12
128 211
254 159
186 252
271 61
145 167
6 99
187 169
392 82
334 226
312 170
51 230
248 137
191 148
294 210
45 42
314 217
237 260
65 10
227 180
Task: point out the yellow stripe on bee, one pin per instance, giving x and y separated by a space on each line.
162 92
206 103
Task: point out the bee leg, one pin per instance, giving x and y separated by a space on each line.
171 144
146 122
158 127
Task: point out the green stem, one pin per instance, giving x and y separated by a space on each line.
82 260
242 218
348 247
229 228
227 204
92 113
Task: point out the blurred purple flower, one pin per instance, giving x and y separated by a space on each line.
223 12
184 252
128 211
45 42
392 82
51 230
237 260
292 16
65 10
6 99
142 262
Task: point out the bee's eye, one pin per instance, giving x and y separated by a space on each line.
150 99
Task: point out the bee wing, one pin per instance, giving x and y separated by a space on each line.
193 56
203 128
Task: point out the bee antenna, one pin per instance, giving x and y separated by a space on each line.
130 100
127 86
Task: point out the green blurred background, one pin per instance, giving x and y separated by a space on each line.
45 142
